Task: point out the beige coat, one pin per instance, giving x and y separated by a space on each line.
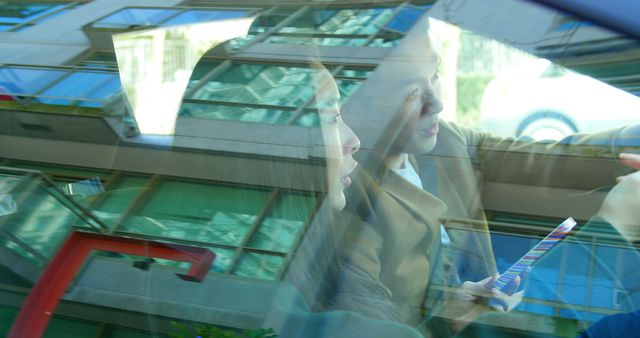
392 227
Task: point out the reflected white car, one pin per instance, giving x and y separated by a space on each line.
546 101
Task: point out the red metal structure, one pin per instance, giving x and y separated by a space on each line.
46 293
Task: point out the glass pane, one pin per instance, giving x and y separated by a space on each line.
16 12
7 183
262 23
116 332
241 73
356 73
7 316
40 221
88 88
404 19
387 41
119 198
297 40
203 68
237 43
100 60
279 230
259 266
60 171
223 228
308 120
270 19
55 12
203 200
193 16
219 112
26 80
65 328
129 17
198 211
347 88
340 21
222 260
22 252
260 84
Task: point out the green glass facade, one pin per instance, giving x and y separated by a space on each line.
251 229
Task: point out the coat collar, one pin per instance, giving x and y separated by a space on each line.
420 202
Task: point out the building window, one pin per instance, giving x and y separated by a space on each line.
15 16
194 16
17 82
59 86
382 26
252 230
355 27
262 93
128 18
38 219
99 60
248 92
82 88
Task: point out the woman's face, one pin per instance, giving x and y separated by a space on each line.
339 140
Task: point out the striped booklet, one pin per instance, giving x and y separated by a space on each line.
535 253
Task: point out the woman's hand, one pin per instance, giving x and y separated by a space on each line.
631 160
621 207
500 300
473 299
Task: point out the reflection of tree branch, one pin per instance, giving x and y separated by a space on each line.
565 37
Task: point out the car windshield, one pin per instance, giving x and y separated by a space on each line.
418 168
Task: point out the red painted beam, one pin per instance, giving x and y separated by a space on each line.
46 293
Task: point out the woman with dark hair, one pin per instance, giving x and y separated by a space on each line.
307 307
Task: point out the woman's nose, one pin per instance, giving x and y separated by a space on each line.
351 142
436 105
432 103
